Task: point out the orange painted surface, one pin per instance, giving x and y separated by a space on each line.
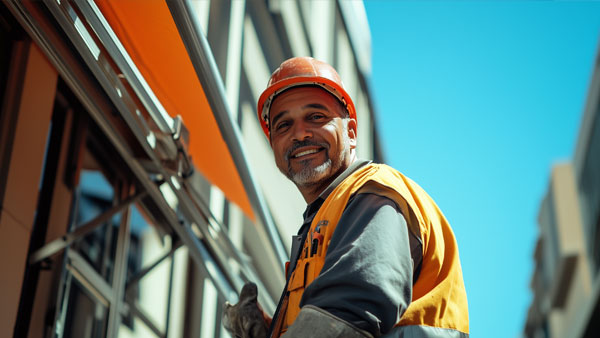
148 33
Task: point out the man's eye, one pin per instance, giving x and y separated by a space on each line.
316 117
281 125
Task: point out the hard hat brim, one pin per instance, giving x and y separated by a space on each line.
266 98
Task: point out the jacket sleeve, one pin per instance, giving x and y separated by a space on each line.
367 275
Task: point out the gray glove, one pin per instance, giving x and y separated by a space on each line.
245 319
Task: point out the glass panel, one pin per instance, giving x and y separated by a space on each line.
85 317
150 292
96 196
137 330
209 310
145 244
589 192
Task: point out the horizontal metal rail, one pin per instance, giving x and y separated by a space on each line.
90 278
118 53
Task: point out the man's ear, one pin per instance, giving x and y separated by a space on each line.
352 132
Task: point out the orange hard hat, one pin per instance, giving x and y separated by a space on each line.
302 71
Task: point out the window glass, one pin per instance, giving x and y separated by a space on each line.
148 293
85 317
137 329
589 192
95 197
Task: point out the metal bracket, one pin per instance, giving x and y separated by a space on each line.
142 273
179 163
59 244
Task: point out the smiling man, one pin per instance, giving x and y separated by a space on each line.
374 255
312 138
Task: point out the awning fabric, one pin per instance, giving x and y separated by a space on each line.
148 33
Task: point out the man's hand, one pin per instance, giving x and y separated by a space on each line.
246 319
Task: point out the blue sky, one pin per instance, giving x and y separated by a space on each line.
476 101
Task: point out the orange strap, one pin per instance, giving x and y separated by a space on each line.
278 329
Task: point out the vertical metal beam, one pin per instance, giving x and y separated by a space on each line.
120 272
234 55
169 295
59 325
208 74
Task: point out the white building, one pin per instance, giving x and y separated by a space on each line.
566 283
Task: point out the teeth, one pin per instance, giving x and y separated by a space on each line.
307 152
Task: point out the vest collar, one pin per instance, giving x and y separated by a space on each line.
316 204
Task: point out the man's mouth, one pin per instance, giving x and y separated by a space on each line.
306 152
304 148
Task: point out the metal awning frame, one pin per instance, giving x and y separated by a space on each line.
206 69
186 218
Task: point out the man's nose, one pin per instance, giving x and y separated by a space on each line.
301 131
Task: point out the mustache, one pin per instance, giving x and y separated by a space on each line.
304 143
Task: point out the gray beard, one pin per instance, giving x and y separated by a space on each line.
308 176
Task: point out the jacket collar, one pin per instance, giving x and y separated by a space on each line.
316 204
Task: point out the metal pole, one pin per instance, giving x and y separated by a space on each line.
208 74
120 269
118 53
170 295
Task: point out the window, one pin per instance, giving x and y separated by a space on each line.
105 267
589 193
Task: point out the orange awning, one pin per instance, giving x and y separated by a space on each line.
148 33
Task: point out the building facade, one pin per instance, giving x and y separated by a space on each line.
566 283
137 190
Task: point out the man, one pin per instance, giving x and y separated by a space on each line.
374 256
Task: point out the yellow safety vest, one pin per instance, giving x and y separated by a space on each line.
439 298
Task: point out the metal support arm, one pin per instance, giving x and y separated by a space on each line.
58 244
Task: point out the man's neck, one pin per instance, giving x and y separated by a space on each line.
311 193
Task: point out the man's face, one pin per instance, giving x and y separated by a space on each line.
310 135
